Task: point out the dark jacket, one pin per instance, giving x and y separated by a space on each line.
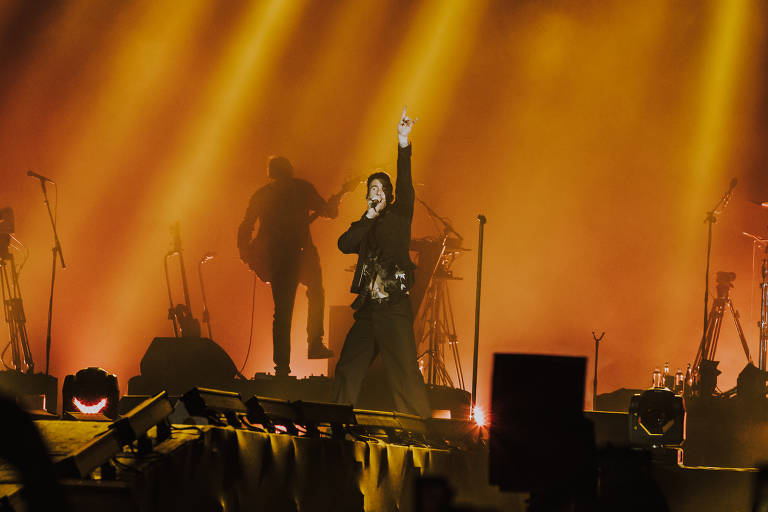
387 236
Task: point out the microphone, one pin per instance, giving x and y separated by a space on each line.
39 176
727 197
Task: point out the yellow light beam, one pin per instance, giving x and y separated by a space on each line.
241 78
243 71
424 73
138 76
333 55
719 87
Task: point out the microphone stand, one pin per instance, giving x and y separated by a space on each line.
710 219
482 220
594 380
443 220
206 314
57 255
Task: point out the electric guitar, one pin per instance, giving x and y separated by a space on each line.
259 257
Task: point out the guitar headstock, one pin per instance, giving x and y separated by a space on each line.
351 183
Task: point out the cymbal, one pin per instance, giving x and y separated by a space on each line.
754 237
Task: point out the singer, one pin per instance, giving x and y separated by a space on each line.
283 255
383 277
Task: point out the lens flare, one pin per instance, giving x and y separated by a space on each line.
479 416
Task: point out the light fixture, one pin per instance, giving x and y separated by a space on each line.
132 427
90 392
656 419
213 404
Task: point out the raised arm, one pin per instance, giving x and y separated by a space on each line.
404 192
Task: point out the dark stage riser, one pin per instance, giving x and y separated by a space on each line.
176 365
720 432
27 388
201 466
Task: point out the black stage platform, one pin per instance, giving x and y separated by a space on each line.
212 468
208 468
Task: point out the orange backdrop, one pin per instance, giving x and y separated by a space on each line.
594 136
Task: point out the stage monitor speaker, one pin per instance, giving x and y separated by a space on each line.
538 434
179 364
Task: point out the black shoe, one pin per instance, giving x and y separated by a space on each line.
282 371
318 351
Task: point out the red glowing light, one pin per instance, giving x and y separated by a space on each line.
90 408
479 416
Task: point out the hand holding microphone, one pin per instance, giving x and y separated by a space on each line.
376 202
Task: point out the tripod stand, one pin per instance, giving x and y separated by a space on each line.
763 323
13 308
436 326
705 357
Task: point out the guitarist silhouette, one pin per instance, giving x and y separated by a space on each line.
283 255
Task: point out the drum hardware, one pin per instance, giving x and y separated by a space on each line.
435 326
762 324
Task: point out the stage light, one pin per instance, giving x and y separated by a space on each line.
479 416
273 414
314 414
132 427
395 427
656 419
91 391
214 403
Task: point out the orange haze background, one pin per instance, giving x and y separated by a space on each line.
594 135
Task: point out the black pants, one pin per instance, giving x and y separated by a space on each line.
285 279
386 329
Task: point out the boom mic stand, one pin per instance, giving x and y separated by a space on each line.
447 228
710 219
58 254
